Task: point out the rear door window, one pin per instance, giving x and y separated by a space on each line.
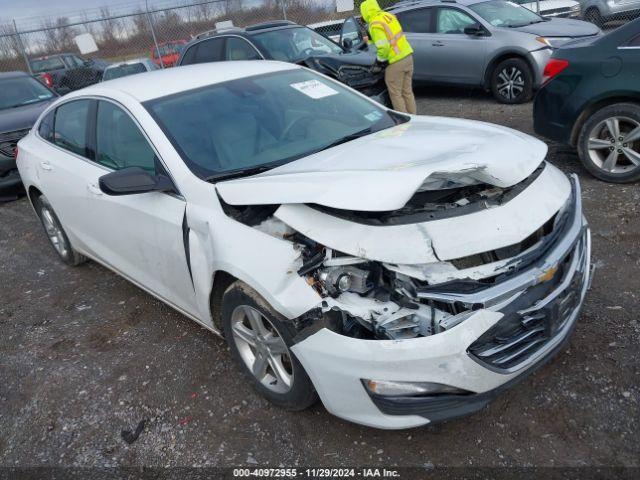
205 51
46 126
416 21
70 130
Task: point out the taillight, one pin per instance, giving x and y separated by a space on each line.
554 67
48 79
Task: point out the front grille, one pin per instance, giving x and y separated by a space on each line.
525 329
9 141
504 253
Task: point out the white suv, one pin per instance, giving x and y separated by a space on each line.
405 268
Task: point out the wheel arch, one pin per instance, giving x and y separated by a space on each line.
221 281
596 105
501 57
33 193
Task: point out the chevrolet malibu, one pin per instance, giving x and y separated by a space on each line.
404 269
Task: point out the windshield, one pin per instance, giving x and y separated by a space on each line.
46 64
19 91
295 44
263 121
505 14
123 70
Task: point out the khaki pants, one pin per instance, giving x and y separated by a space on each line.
398 77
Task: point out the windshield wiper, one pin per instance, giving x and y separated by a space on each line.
345 139
243 172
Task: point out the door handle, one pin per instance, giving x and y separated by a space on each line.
45 165
94 189
438 44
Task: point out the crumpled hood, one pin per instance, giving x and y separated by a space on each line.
369 9
382 171
560 27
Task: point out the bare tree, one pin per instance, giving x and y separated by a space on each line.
65 34
110 26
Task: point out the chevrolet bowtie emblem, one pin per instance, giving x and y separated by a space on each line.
548 274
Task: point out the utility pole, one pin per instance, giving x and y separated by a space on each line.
153 32
21 47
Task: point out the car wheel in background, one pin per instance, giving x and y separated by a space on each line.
260 341
512 81
593 15
609 143
55 233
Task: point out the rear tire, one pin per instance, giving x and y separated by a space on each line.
609 143
260 340
56 234
512 81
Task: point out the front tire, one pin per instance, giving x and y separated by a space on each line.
609 143
512 81
260 340
56 234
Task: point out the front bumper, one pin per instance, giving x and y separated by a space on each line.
463 356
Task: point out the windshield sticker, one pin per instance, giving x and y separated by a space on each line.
314 89
373 116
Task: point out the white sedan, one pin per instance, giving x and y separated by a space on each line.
404 269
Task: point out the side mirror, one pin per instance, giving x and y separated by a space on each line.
474 30
350 33
347 43
134 180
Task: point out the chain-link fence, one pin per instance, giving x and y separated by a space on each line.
50 45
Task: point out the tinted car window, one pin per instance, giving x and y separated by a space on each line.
46 64
123 70
416 21
19 91
635 42
71 126
295 44
239 49
452 20
268 120
505 14
206 51
119 141
46 126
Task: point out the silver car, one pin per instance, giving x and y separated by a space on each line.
601 11
493 44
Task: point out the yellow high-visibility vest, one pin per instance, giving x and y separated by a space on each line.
385 32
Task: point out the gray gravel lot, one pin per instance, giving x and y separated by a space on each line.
84 355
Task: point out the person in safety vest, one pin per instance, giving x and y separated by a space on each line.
393 47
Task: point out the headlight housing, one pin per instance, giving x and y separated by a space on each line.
389 388
553 42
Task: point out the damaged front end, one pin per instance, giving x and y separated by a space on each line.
369 296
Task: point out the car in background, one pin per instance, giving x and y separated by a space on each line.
405 269
67 72
552 8
22 100
600 12
493 44
591 100
289 42
167 53
128 67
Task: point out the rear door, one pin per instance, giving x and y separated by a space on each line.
418 26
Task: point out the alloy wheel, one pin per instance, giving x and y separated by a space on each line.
614 145
510 82
262 349
54 231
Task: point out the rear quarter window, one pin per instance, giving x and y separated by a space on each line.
205 51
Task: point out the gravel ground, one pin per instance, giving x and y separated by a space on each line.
84 355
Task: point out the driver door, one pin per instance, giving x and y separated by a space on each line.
141 236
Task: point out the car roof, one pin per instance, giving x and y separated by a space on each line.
248 30
15 74
160 83
403 5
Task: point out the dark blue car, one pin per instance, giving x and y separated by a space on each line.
22 100
591 100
